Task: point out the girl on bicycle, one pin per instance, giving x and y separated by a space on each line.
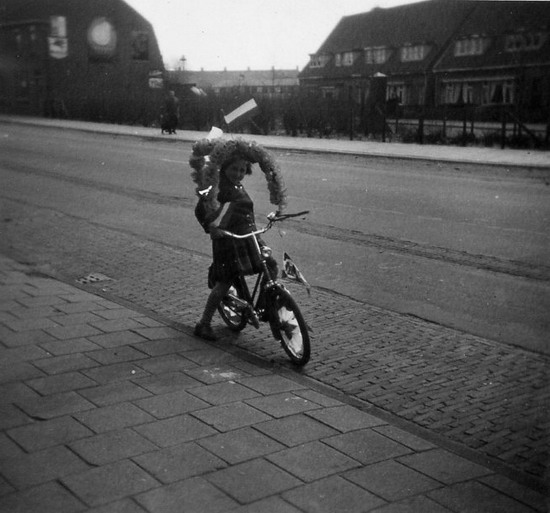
231 257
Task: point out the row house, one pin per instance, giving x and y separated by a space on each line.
96 60
439 52
273 83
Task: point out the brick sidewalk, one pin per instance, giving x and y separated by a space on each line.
108 408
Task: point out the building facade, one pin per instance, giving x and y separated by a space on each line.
82 59
440 53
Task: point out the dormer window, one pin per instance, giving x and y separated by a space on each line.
318 61
414 52
377 54
345 59
525 41
473 45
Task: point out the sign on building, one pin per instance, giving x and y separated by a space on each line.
58 44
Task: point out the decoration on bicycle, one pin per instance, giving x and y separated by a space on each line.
291 271
209 155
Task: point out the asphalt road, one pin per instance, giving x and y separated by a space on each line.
463 246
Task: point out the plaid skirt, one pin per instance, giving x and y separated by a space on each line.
234 257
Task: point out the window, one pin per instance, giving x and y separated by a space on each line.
525 41
396 92
338 59
348 58
376 54
139 44
318 61
474 45
414 52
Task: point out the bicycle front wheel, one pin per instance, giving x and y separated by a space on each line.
288 326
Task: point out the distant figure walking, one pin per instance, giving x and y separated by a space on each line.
170 114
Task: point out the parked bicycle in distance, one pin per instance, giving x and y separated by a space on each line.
269 301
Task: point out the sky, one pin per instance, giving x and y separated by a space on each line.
241 34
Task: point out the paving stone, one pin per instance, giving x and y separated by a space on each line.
56 405
216 373
112 325
270 384
240 445
332 494
312 461
346 418
179 462
122 506
10 416
69 381
169 382
39 467
167 363
110 418
48 498
210 356
12 339
253 480
14 392
316 397
75 318
117 355
231 416
225 392
272 504
167 346
521 493
65 363
21 354
391 481
418 504
30 324
115 372
61 347
476 498
111 446
114 393
175 430
76 331
109 483
171 404
19 371
40 435
367 446
295 430
158 333
194 495
281 405
404 437
444 466
83 306
117 339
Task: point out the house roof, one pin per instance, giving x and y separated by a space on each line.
495 21
232 78
430 22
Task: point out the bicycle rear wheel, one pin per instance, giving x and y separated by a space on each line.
232 311
289 327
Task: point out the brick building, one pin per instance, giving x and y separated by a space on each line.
440 52
83 59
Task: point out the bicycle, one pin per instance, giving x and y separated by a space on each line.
269 301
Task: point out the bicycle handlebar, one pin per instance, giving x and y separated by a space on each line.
273 217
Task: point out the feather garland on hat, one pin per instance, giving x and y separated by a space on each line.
210 154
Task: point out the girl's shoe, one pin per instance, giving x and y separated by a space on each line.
205 331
